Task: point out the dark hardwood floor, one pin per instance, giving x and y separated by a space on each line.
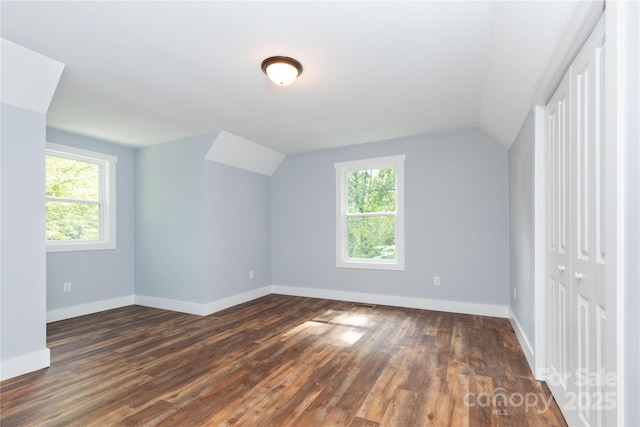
280 361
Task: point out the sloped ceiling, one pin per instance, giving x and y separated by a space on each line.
142 73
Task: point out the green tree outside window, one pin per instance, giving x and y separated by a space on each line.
371 198
73 199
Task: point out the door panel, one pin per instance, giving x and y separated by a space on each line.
588 231
576 235
558 182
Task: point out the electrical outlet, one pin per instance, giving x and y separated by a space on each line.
67 286
436 280
251 275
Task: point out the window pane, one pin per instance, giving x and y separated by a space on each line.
72 179
372 190
372 237
73 221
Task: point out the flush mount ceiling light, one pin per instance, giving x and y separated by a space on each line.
282 70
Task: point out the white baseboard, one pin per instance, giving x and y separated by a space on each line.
397 301
199 308
171 304
24 364
527 348
227 302
89 308
38 360
205 309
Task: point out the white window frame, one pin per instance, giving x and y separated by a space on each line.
107 198
342 253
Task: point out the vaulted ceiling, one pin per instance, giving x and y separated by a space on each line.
142 73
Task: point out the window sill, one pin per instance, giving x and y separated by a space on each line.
371 265
77 246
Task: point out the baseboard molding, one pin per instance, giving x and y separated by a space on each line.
527 348
171 304
398 301
24 364
89 308
199 308
227 302
31 362
205 309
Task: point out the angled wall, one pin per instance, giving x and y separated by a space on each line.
201 227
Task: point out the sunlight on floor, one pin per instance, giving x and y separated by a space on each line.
352 319
350 337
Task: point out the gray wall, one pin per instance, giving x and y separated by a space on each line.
23 262
200 226
237 230
169 219
521 213
456 220
104 274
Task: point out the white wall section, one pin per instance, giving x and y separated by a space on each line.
28 78
232 150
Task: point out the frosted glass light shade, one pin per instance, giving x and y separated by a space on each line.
281 70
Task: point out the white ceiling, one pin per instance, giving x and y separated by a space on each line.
142 73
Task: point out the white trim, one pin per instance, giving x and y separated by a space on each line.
527 348
342 169
170 304
539 258
579 30
622 62
20 365
397 301
370 163
200 309
107 197
75 153
224 303
89 308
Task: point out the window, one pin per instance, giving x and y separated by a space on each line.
80 199
370 213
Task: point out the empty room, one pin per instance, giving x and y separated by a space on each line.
320 213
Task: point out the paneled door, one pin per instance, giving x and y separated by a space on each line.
558 234
575 237
588 256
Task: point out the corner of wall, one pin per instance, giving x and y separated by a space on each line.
16 366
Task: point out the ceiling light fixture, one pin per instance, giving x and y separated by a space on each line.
282 70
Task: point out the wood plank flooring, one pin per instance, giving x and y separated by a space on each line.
280 361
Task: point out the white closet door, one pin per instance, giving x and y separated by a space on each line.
558 232
587 218
575 237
